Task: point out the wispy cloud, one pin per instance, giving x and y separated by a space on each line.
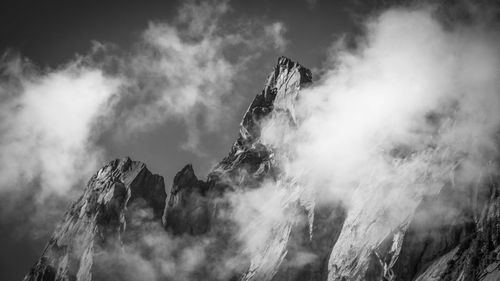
276 32
47 120
398 96
180 72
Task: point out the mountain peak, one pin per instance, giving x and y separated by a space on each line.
279 94
98 217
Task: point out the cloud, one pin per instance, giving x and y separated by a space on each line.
412 108
256 219
46 127
178 71
146 251
276 32
414 98
184 70
181 72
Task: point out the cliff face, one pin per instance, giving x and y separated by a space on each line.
453 234
97 219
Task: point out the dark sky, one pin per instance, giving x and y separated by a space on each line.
51 33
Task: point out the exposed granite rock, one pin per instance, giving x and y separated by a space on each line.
308 250
97 218
439 225
478 256
248 163
451 236
187 210
251 161
249 158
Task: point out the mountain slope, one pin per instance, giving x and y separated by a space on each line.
450 234
97 219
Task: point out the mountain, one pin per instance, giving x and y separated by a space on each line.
125 226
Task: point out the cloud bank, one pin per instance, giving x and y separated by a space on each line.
414 102
47 124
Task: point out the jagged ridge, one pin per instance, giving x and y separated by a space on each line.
460 245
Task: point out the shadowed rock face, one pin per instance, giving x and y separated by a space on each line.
99 217
249 159
451 235
187 209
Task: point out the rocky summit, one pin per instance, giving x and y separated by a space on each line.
126 227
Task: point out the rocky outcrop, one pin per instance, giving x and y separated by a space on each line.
477 257
249 163
187 209
452 235
97 219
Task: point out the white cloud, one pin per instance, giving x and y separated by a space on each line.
276 32
184 79
179 71
182 70
415 107
412 86
46 124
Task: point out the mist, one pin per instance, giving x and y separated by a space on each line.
414 104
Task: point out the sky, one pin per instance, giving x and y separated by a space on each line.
164 82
